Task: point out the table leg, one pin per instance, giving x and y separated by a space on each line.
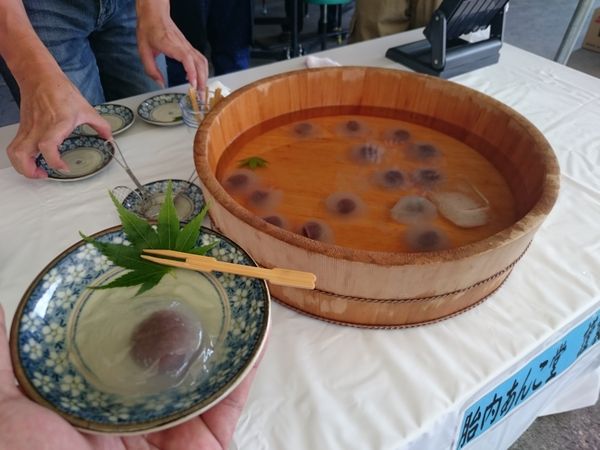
323 26
295 50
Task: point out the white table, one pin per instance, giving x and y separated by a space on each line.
322 386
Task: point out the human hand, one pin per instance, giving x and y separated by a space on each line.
157 33
26 425
51 108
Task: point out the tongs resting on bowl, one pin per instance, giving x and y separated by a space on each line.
281 277
120 159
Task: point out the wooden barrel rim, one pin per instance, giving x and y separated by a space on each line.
530 221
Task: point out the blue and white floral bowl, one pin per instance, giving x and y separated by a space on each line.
43 356
188 198
119 117
84 155
162 110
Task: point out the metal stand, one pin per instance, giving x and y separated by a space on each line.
292 50
584 7
295 49
439 57
323 27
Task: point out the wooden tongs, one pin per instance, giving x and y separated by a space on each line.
282 277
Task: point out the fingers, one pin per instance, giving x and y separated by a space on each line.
149 63
44 136
26 166
201 64
24 149
196 69
156 33
212 430
193 434
222 419
190 69
195 66
7 378
22 155
51 108
98 123
48 145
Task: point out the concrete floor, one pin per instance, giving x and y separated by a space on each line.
539 25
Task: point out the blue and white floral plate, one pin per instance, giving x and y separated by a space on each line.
48 365
85 156
119 117
162 109
187 196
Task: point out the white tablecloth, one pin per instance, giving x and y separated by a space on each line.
322 386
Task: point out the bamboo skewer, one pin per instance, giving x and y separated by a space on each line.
215 99
281 277
194 101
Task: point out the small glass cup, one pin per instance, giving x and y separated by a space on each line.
191 117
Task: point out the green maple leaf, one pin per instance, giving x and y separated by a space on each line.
168 223
254 162
139 232
148 278
188 235
168 235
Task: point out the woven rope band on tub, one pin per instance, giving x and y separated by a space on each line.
389 326
408 300
425 299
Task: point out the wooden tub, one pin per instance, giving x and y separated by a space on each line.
378 288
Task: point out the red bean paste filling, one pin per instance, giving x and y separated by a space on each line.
259 197
274 220
352 126
312 230
164 338
424 151
238 180
400 135
369 153
345 206
428 176
428 240
393 178
303 129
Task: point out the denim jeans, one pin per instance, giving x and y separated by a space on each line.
94 43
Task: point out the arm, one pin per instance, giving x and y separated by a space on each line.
51 106
156 33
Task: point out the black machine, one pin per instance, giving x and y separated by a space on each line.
443 53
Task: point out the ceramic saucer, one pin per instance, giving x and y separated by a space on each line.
85 156
119 117
187 196
49 330
161 110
